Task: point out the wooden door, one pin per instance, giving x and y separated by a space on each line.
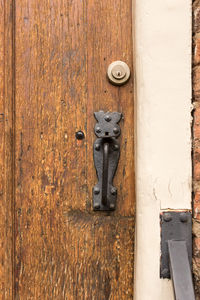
53 60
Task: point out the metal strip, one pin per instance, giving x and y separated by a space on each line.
180 270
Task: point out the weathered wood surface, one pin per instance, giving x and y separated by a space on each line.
64 250
6 149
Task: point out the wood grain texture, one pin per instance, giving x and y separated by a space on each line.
64 250
6 148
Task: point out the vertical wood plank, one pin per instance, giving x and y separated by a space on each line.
6 147
109 39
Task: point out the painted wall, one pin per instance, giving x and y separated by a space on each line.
163 114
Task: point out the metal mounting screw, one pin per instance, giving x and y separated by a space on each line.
96 206
112 205
113 191
167 217
116 147
115 130
183 217
96 190
98 129
108 118
97 147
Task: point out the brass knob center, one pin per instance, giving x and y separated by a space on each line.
118 72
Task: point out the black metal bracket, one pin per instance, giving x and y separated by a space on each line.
174 226
176 252
106 156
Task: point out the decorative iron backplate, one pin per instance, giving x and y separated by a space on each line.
106 156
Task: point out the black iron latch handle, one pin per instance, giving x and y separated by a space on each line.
106 157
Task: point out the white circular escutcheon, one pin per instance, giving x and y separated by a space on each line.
118 72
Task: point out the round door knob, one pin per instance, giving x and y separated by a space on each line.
118 72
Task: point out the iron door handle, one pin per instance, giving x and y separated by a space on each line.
106 156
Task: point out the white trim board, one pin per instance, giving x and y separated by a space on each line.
163 130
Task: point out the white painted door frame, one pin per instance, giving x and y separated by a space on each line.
163 133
